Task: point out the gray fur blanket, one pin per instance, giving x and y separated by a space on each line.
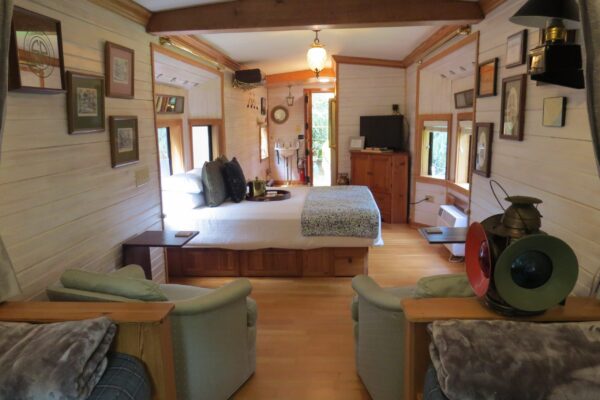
59 361
504 360
340 211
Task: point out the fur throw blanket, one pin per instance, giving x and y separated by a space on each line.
59 361
505 360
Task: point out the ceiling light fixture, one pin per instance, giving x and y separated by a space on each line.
316 55
290 98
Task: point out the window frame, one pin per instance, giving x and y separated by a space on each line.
212 123
419 145
466 116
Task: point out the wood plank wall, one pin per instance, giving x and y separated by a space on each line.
555 164
241 127
365 90
61 204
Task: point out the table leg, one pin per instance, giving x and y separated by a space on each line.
139 255
416 359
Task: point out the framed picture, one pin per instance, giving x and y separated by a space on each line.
85 103
482 160
516 49
486 78
166 104
463 99
357 143
124 146
36 55
119 69
555 109
513 107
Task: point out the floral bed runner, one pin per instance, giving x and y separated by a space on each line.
60 361
340 211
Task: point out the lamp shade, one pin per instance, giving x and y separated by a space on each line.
316 57
536 13
9 286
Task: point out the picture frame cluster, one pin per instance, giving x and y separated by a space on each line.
32 70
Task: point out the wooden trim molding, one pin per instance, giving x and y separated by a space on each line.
126 8
376 62
173 54
298 76
487 6
203 49
440 36
471 38
261 15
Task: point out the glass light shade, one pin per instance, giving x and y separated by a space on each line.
316 58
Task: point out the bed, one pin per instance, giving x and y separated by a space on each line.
262 239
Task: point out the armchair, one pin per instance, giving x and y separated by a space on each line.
379 328
213 330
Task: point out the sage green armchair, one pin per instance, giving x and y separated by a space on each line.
379 328
213 330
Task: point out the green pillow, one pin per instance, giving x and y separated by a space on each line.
213 182
452 285
130 271
139 289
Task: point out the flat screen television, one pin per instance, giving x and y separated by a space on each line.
383 131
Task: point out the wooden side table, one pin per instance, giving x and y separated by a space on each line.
420 312
144 331
137 250
447 235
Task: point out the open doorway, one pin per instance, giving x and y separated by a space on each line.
317 136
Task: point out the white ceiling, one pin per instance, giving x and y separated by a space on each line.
171 71
161 5
285 51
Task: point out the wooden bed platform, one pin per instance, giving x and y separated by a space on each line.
323 262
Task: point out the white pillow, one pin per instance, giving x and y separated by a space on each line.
183 183
179 201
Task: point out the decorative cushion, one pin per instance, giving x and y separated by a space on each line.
235 181
215 192
140 289
125 378
451 285
129 271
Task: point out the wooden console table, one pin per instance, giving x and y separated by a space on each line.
144 331
420 312
137 250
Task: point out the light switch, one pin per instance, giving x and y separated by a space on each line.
142 176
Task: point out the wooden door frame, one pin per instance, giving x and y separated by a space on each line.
308 92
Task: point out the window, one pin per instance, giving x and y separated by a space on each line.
463 152
434 149
202 150
264 142
164 152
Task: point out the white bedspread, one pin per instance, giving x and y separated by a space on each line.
257 225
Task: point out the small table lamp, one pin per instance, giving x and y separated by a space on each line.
9 287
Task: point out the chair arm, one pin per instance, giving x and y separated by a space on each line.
234 291
368 289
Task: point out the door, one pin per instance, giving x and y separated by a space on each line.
318 125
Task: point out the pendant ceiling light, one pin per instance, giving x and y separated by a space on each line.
290 98
317 55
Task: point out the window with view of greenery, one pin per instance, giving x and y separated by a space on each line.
434 150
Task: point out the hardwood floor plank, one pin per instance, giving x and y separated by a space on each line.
305 347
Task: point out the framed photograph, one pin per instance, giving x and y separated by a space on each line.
36 55
124 146
119 69
513 107
85 103
555 109
482 160
357 143
516 49
487 73
463 99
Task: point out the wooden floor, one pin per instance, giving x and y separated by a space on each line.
305 343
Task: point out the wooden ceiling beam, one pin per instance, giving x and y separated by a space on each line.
298 76
487 6
375 62
261 15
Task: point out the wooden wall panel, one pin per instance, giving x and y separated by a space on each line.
365 90
554 164
61 204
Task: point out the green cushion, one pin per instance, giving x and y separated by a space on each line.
453 285
130 271
139 289
215 192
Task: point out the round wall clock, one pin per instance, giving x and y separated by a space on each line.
279 114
